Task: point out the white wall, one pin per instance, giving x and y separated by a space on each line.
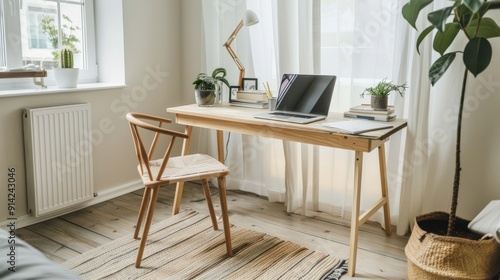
152 39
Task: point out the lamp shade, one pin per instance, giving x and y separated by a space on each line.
250 18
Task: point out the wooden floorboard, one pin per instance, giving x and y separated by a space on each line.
379 256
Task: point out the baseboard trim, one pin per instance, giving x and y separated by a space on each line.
28 219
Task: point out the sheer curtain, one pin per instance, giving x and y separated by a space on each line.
361 42
430 148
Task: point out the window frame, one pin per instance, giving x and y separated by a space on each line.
10 24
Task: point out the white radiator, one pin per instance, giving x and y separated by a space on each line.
58 154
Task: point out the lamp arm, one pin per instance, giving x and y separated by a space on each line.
239 64
233 35
235 58
233 55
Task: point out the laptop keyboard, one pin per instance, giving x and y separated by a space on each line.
292 115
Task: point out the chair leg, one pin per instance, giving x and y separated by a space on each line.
144 204
149 218
225 214
208 197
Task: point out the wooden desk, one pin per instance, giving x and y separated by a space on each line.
237 119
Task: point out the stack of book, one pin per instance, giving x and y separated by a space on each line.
252 98
365 111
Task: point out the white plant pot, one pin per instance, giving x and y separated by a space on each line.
66 77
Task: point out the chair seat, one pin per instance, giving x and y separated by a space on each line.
183 168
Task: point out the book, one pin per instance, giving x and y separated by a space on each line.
355 126
258 95
258 105
367 109
371 117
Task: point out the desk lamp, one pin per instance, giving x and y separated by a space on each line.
249 19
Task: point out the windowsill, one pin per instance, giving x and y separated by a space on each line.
55 89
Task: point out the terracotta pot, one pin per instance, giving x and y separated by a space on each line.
433 256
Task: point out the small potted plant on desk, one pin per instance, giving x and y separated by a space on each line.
380 93
207 88
65 75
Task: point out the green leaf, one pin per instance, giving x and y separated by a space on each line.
439 17
484 8
477 55
473 5
219 72
440 66
488 28
411 10
443 40
423 35
463 15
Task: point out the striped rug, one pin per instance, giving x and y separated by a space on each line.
185 246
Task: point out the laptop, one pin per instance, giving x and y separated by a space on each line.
302 98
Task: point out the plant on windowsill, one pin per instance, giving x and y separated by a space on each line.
380 93
207 88
66 76
441 246
67 31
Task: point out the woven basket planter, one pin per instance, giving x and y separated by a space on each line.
432 256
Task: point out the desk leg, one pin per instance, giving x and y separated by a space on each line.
220 145
180 185
383 184
358 170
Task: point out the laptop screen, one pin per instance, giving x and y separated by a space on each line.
302 93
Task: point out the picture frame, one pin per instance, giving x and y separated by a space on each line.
250 84
233 90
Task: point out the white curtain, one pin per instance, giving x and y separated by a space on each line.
430 148
414 173
361 42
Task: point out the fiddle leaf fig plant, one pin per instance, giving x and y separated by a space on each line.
466 17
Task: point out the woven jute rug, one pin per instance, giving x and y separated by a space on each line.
185 246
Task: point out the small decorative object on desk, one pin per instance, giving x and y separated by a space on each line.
207 88
272 103
380 93
250 84
66 76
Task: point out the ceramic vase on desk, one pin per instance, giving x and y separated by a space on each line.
379 102
205 98
207 87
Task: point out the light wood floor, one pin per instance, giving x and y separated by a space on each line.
62 238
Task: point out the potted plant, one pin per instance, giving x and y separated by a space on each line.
66 76
441 246
207 87
380 93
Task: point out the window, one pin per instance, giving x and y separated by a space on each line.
32 30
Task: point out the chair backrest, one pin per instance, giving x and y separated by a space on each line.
143 122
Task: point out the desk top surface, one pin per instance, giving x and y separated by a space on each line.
243 115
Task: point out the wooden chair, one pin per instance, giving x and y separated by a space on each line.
169 170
